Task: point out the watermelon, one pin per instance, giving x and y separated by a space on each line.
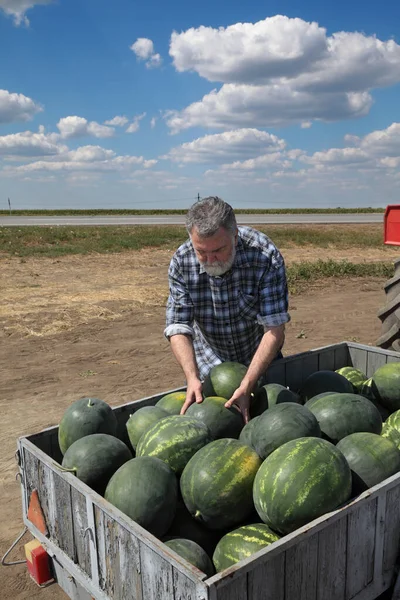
281 423
386 381
193 553
174 440
141 420
242 543
221 421
246 434
95 458
300 481
270 394
369 390
324 381
217 483
314 399
371 457
172 403
339 415
146 489
391 428
224 379
356 377
83 417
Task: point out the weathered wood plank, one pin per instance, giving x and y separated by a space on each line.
326 360
342 356
309 364
361 530
301 570
232 590
374 361
184 589
31 466
332 548
99 519
157 577
391 549
276 373
294 377
81 536
358 359
267 581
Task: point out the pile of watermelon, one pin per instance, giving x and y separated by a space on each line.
216 490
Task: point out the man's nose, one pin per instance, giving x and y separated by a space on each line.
211 258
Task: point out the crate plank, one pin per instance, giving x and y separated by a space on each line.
81 536
301 570
342 356
332 548
294 374
232 590
276 373
326 360
391 548
358 359
31 467
361 525
100 533
157 577
184 589
374 361
267 581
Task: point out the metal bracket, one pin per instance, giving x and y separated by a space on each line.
14 562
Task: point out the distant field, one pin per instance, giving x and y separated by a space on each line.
244 211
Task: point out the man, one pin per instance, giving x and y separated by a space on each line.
228 300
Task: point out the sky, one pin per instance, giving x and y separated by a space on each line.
149 105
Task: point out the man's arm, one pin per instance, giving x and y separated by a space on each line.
270 344
182 347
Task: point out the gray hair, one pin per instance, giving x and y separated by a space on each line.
209 214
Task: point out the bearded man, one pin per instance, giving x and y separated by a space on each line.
228 300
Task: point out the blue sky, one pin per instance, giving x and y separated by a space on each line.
126 105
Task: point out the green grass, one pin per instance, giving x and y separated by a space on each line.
58 241
183 211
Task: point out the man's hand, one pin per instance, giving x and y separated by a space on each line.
241 399
193 394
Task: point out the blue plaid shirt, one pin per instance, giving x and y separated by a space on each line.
226 315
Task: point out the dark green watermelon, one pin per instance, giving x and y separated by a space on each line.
217 483
270 394
386 382
242 543
371 457
141 420
339 415
174 440
280 424
95 458
221 421
247 432
299 482
193 553
83 417
224 379
309 403
324 381
172 403
146 490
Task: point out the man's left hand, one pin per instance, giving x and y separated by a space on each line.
241 400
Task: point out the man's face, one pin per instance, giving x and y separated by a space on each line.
216 253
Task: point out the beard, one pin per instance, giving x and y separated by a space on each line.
218 268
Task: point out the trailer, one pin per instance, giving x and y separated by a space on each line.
98 552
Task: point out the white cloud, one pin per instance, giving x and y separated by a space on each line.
18 8
73 127
338 156
118 121
16 107
280 71
29 144
153 122
230 145
144 50
134 126
306 125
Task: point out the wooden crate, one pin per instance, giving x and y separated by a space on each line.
98 552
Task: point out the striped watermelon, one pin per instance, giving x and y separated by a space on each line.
221 421
324 381
242 543
141 420
355 376
172 403
300 481
217 483
247 432
371 457
193 553
391 428
386 381
174 440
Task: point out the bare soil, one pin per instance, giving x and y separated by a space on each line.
93 325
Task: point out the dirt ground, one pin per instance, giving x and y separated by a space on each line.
93 325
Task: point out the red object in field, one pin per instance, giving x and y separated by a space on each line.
392 225
38 562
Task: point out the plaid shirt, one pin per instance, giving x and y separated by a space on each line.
226 315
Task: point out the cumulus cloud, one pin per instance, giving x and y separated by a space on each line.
18 8
16 107
74 127
230 145
29 144
153 122
281 60
117 121
134 126
144 50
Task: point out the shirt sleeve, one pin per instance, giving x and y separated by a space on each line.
274 297
180 309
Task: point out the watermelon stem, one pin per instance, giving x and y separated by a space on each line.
73 470
90 403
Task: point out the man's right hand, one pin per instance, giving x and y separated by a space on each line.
193 394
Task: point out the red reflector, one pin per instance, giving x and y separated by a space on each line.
38 562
